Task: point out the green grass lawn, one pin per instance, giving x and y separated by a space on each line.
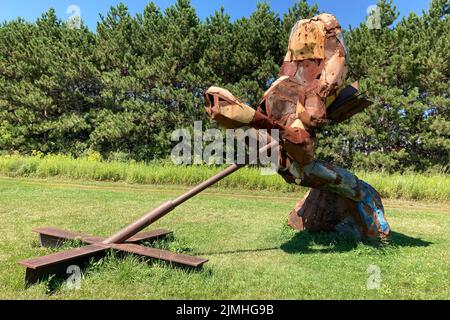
253 254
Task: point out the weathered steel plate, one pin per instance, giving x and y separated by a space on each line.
56 264
149 236
348 103
60 257
53 238
177 258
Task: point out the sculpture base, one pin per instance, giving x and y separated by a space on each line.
56 264
327 211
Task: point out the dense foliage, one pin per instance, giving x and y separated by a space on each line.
122 90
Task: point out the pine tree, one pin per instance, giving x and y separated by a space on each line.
47 85
404 70
255 52
125 88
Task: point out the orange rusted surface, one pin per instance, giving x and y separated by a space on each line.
308 94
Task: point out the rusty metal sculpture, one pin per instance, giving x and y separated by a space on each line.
309 93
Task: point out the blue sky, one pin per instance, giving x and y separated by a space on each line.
349 12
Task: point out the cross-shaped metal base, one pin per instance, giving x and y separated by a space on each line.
126 240
57 263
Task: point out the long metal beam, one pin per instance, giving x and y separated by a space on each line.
168 206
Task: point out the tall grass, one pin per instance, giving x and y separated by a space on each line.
406 186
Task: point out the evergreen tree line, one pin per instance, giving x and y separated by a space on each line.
123 89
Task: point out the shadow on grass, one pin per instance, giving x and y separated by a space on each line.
307 242
304 242
212 253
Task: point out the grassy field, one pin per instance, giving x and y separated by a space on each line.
400 186
253 254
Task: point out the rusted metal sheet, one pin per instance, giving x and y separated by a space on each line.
338 199
322 210
60 257
348 103
164 255
349 108
53 238
229 111
307 40
324 176
57 263
149 236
